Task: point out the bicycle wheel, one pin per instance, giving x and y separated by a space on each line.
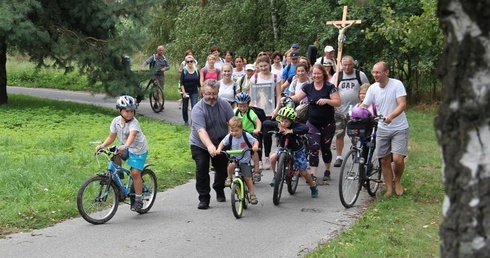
282 170
292 179
237 200
349 183
149 190
97 200
374 177
157 97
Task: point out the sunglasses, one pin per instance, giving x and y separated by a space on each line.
189 61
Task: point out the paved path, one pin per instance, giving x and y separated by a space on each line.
176 228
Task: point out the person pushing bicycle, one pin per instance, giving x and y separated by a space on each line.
240 140
133 148
286 125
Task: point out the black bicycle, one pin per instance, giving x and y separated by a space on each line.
360 166
155 93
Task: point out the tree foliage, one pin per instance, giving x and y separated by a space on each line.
88 34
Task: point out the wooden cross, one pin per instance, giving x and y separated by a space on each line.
342 26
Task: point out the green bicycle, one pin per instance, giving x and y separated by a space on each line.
240 196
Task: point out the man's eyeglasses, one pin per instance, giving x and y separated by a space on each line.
211 94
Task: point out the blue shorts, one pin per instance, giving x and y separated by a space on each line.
136 160
300 161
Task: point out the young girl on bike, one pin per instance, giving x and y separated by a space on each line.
134 146
286 125
238 142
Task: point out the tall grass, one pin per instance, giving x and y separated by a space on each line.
46 156
407 225
20 72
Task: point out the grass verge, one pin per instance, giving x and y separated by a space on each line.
46 156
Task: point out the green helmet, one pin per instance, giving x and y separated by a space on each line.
286 112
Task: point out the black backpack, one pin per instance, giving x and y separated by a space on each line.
258 111
341 74
230 139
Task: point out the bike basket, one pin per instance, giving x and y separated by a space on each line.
359 127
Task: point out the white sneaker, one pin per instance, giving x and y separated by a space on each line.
267 164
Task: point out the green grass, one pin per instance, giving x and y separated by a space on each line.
408 225
46 156
24 73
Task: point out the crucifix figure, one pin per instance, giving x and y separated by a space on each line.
342 26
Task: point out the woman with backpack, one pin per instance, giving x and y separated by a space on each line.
227 87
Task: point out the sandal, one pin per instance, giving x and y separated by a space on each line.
253 199
228 182
257 177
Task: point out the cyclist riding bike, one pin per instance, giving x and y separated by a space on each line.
133 148
286 125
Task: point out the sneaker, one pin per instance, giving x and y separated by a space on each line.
137 206
273 181
326 175
314 191
337 163
267 163
228 182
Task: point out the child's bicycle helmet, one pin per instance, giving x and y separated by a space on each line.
242 98
360 113
126 102
286 112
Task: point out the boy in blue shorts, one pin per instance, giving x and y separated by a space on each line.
134 146
286 125
238 142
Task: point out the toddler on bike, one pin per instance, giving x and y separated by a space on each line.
251 124
238 139
134 146
286 125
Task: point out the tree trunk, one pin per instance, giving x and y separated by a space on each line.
463 128
275 27
3 71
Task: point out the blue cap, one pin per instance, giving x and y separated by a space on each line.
295 45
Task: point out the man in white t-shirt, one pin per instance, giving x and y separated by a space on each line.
329 55
390 98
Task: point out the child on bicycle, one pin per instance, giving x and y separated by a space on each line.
286 125
133 148
239 139
251 124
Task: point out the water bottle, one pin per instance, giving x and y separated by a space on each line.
350 110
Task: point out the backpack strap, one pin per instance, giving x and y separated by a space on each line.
358 76
249 118
244 134
241 81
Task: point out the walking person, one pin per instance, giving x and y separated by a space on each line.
210 118
210 71
390 97
321 120
189 86
239 69
227 87
349 80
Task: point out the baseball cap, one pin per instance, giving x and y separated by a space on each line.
329 49
250 67
294 55
295 45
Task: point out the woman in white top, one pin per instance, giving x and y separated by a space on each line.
301 79
239 70
276 67
227 87
264 76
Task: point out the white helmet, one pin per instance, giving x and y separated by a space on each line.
126 102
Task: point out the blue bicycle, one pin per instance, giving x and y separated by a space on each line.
99 196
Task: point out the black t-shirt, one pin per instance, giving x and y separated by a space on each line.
319 115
